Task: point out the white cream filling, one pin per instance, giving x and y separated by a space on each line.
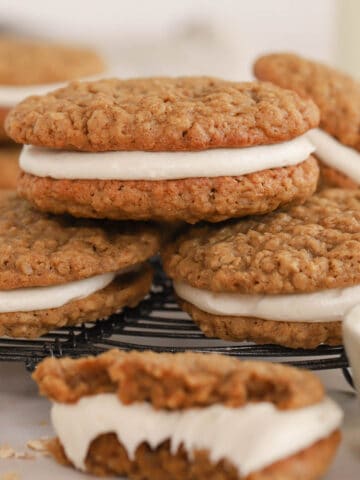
335 154
323 306
42 298
139 165
351 336
251 437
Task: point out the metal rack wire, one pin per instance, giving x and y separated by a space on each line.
158 324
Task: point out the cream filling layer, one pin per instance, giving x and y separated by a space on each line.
42 298
335 154
251 437
139 165
323 306
351 336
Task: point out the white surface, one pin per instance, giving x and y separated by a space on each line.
22 414
140 165
324 306
335 154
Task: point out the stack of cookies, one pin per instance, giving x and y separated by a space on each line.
337 95
28 67
196 150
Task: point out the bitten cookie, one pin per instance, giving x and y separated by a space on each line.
31 67
166 149
338 97
9 167
55 271
287 278
189 416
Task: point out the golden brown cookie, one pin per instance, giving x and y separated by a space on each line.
38 250
25 62
9 167
31 62
42 250
107 456
125 290
289 334
166 115
190 200
308 249
177 382
331 177
196 380
161 114
336 94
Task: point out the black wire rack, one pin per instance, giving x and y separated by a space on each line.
158 324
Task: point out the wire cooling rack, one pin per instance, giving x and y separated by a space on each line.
158 324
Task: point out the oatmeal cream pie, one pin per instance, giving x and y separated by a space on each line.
165 149
29 67
338 97
288 277
55 271
189 416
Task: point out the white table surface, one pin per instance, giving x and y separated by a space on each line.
24 416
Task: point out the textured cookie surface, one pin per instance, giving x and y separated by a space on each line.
303 249
159 114
176 381
251 329
107 456
9 167
27 62
190 200
336 94
331 177
125 290
41 250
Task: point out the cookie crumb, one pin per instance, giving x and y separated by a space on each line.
38 445
24 456
6 452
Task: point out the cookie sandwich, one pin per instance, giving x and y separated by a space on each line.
288 277
165 149
188 416
30 67
9 166
55 271
337 95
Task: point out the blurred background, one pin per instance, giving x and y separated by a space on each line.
145 37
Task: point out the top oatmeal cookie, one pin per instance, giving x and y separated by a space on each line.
29 62
41 250
176 381
161 114
305 248
336 94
